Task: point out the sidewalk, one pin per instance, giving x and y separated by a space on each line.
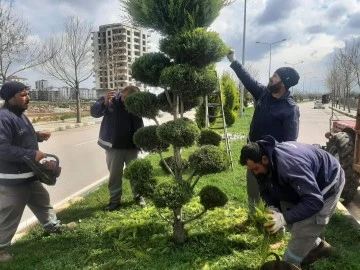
60 125
352 113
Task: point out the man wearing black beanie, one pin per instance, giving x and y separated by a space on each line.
276 114
19 186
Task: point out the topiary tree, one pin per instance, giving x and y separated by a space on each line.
185 69
231 98
209 137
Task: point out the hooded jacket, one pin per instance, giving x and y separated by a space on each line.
301 174
17 139
278 117
117 126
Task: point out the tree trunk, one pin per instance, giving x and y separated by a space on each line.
78 111
179 233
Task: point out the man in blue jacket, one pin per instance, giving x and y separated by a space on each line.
116 137
19 186
276 113
305 182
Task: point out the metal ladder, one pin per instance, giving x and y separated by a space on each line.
217 94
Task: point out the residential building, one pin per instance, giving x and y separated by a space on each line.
41 85
115 48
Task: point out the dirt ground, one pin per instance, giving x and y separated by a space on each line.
42 112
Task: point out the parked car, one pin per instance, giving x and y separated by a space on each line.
318 105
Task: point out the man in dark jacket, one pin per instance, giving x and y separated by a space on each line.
276 112
116 137
19 186
305 182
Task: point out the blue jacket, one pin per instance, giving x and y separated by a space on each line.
300 174
17 139
117 126
278 117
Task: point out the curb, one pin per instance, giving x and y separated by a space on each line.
344 113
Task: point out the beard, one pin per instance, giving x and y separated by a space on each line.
274 89
263 176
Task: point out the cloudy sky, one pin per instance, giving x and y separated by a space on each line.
313 29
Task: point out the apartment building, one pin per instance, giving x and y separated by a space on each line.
115 47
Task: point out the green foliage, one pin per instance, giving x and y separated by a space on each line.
231 99
200 112
196 47
170 161
147 139
211 197
173 16
209 137
189 82
180 133
165 106
142 104
141 172
209 159
172 195
258 218
148 68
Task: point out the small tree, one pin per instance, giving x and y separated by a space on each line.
231 98
72 63
185 69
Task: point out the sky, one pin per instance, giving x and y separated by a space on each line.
313 29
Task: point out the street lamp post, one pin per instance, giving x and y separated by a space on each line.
270 45
243 62
304 80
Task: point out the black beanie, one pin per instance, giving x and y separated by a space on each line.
9 89
288 76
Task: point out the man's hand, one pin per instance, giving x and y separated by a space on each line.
43 135
109 96
231 56
276 221
39 156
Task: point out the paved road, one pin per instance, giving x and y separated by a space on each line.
314 123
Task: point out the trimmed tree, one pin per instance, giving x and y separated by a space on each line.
231 98
185 69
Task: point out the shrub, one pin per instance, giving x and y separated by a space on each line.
147 139
172 195
141 172
189 82
171 17
148 68
211 197
196 47
180 133
165 106
209 137
231 99
209 159
170 161
142 104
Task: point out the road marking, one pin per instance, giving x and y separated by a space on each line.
91 141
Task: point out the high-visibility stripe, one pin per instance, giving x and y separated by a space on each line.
16 176
326 189
108 144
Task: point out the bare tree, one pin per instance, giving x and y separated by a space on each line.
72 63
18 51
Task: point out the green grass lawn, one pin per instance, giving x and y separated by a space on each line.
135 238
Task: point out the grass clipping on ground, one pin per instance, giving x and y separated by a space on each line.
270 241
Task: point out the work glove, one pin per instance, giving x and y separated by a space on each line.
231 56
271 207
276 222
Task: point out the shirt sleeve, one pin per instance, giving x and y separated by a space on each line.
291 125
302 180
254 87
8 151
